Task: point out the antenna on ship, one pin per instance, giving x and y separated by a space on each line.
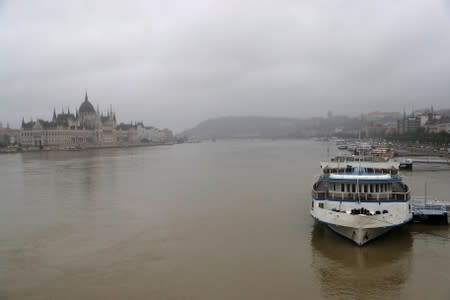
426 192
357 186
357 180
328 152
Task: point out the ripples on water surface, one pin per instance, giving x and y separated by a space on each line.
225 220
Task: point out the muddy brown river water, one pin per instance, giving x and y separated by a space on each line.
224 220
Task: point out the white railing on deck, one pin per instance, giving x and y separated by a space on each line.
322 195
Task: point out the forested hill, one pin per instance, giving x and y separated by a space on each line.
269 127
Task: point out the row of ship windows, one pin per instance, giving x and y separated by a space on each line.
361 188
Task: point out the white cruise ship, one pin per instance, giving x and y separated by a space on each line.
360 200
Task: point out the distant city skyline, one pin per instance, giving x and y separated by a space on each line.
104 109
176 63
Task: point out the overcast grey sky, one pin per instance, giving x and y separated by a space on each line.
175 63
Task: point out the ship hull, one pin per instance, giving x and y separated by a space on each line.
359 235
361 228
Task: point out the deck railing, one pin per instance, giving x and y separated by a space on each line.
326 177
343 196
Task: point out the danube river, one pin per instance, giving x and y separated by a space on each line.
224 220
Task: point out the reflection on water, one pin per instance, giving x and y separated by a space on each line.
348 271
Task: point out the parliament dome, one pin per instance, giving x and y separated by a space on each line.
86 106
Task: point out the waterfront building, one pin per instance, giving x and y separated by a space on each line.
86 128
8 136
435 127
426 119
375 124
409 124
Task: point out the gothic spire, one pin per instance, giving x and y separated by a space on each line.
54 113
86 96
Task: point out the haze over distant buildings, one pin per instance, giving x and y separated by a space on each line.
176 63
86 128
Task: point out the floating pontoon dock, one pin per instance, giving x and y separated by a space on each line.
432 212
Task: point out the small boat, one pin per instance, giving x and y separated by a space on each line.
406 164
362 149
383 152
360 198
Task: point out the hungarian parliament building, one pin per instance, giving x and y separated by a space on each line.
88 128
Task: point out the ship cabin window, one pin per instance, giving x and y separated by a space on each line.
365 188
342 187
353 188
377 189
320 205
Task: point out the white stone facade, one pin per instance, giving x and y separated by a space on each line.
87 128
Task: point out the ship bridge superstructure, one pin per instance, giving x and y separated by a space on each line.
360 181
